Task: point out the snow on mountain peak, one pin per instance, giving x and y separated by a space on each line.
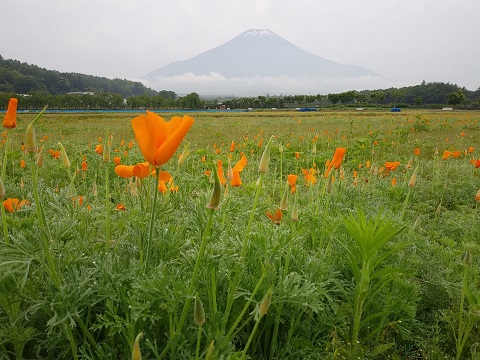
258 33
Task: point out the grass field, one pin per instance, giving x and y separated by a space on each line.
374 260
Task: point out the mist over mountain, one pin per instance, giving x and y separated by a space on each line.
260 61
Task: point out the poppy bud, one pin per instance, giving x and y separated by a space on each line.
295 209
2 189
199 311
30 143
284 202
63 154
265 160
40 157
265 304
184 155
209 354
136 354
106 153
468 258
214 202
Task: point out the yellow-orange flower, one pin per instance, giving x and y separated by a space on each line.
416 151
292 179
477 196
84 165
391 165
232 147
158 140
99 149
236 180
240 164
117 160
446 154
10 119
276 218
336 160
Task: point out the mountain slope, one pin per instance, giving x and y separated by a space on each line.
22 78
259 53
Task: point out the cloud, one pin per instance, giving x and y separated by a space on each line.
217 84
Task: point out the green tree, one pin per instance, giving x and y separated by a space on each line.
397 94
455 98
333 98
418 101
347 96
378 97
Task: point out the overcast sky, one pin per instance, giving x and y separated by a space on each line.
404 40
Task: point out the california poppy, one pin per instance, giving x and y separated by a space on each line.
84 165
240 164
10 119
236 180
99 149
117 160
336 160
276 218
446 154
477 196
292 179
10 204
416 151
221 175
158 140
391 165
232 147
120 207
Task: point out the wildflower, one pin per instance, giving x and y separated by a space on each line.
158 140
236 180
394 182
336 160
204 157
117 160
446 154
10 119
221 176
162 187
142 170
292 179
232 146
84 165
477 163
10 204
22 163
297 155
276 218
240 164
310 178
120 207
457 153
390 166
471 149
416 151
99 149
477 196
295 209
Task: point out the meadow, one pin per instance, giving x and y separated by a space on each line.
306 253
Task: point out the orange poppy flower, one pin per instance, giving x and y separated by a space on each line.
446 154
416 151
158 140
292 179
240 164
22 163
236 181
232 147
117 160
310 178
297 155
471 149
142 170
84 165
10 119
124 171
10 204
276 218
99 149
394 182
391 165
221 176
477 196
336 160
120 207
457 153
162 187
477 163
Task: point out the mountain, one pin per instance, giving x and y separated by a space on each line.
22 78
254 59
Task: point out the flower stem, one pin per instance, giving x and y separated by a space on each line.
150 230
107 209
